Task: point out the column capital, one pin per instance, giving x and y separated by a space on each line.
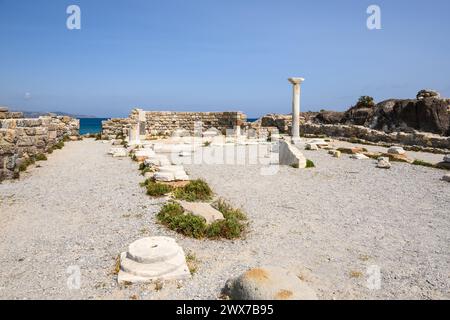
296 80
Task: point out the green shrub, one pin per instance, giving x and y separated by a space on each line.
59 145
25 163
207 144
156 189
310 164
66 138
173 216
196 190
41 157
365 102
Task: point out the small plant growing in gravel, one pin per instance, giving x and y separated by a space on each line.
116 265
196 190
192 262
41 157
355 274
295 166
310 164
66 138
156 189
207 144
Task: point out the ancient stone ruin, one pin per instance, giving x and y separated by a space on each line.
164 123
151 259
22 139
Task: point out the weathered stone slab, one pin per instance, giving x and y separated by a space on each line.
202 209
383 163
164 176
290 155
359 156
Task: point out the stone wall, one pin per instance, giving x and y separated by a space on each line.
166 122
21 139
415 138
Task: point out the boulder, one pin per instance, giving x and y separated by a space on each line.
428 93
447 158
151 259
329 117
383 164
202 209
446 177
396 150
268 283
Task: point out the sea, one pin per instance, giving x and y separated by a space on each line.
91 125
94 125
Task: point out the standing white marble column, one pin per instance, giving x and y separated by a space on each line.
296 108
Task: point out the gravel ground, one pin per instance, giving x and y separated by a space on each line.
327 224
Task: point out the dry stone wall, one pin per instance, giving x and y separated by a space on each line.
166 122
22 139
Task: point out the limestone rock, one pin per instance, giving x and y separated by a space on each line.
383 164
396 150
268 283
311 146
428 93
202 209
164 176
290 155
446 177
359 156
153 258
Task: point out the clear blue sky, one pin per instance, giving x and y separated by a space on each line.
214 55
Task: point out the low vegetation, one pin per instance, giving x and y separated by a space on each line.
207 144
423 163
41 157
196 190
25 163
173 216
310 164
156 189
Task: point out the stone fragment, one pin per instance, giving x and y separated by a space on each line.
383 164
447 158
153 258
396 150
311 146
446 177
268 283
202 209
164 176
359 156
290 155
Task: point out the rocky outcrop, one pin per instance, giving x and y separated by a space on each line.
414 138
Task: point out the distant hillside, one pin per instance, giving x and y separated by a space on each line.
37 114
